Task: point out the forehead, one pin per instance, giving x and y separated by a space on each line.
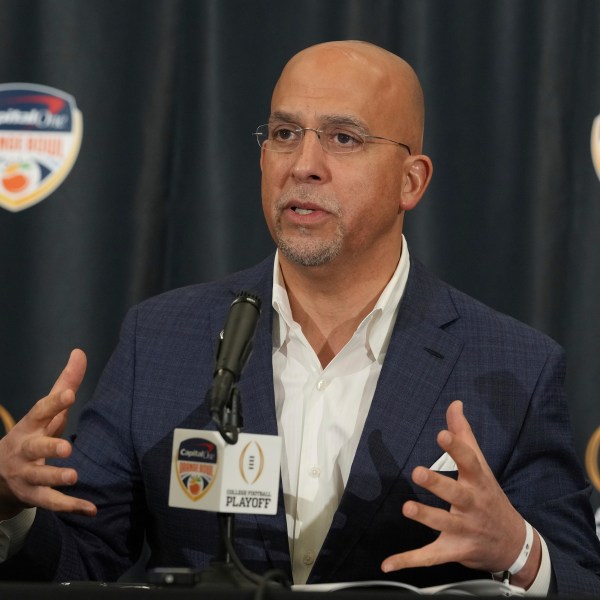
315 85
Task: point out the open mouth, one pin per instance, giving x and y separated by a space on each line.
302 211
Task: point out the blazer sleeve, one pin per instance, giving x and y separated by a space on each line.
66 547
546 484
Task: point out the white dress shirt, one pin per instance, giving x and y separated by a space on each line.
321 412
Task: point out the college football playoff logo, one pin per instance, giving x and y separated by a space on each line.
252 462
196 466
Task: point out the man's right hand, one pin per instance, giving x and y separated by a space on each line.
25 478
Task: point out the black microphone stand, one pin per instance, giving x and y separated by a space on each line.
227 568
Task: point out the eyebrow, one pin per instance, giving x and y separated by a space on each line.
347 120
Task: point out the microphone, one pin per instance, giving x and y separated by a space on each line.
227 471
234 350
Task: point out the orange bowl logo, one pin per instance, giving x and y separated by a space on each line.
196 466
40 137
252 462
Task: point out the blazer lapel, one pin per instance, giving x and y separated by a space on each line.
419 360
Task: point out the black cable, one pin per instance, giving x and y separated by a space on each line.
275 575
262 581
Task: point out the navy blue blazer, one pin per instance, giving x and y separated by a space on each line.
445 346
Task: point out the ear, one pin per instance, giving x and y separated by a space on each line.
417 175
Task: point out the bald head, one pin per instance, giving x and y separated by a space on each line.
390 81
327 207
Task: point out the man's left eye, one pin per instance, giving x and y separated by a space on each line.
344 138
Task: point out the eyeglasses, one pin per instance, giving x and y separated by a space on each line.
334 139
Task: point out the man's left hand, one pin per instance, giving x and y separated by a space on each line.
482 530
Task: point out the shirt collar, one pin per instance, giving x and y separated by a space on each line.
378 323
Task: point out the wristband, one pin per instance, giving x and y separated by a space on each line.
504 576
525 551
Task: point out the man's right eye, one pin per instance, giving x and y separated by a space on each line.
284 134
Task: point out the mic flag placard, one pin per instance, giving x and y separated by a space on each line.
209 474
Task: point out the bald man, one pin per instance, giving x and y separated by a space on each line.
425 437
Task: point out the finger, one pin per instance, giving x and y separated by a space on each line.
49 476
72 375
58 423
34 448
467 458
60 398
443 487
48 498
434 518
460 442
45 410
459 426
427 556
455 417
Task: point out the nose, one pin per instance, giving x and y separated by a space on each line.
310 159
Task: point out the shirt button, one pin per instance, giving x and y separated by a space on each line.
315 472
308 558
322 384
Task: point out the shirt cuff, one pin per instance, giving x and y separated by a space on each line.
541 584
13 533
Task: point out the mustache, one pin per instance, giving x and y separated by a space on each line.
325 202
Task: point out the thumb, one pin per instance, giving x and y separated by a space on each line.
72 375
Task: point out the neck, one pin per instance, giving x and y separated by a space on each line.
329 302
